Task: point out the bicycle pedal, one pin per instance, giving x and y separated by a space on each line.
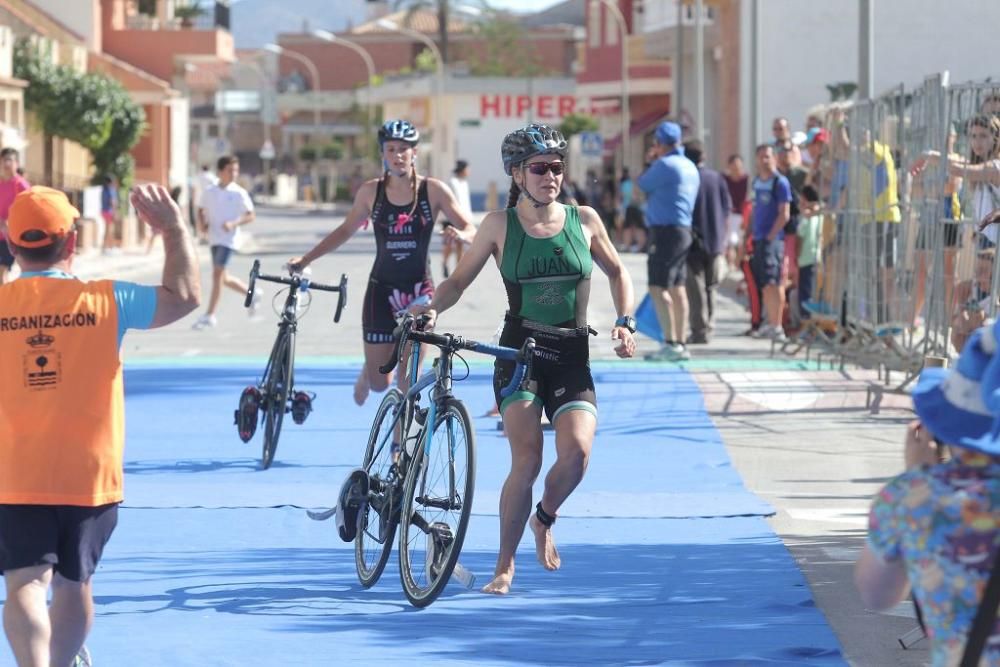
301 406
246 414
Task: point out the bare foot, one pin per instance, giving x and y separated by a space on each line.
500 584
361 388
545 546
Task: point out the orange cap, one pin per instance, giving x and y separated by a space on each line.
40 209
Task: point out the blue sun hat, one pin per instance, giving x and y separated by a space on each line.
949 402
989 392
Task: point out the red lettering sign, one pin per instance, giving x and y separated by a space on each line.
545 106
567 104
489 103
517 106
523 104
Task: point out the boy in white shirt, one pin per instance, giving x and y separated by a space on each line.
222 210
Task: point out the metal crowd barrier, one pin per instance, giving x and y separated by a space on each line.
892 276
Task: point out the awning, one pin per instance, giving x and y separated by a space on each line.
638 126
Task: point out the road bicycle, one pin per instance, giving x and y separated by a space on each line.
421 465
275 394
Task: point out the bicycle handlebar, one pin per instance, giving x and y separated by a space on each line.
299 282
522 371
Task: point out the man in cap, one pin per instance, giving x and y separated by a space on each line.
62 420
670 182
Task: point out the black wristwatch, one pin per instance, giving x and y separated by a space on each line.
626 321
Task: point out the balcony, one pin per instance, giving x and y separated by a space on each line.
152 42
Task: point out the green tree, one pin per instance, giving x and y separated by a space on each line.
504 50
575 123
91 109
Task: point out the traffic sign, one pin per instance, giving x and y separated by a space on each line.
591 144
267 151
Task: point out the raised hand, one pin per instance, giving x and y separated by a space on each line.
156 207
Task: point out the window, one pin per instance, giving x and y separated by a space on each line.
213 130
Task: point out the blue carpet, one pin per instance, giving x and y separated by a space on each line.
666 556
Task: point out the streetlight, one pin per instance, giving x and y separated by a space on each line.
612 7
328 36
389 24
314 73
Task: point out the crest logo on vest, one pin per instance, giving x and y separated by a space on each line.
42 365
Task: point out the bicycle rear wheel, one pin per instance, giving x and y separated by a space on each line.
373 543
437 505
277 384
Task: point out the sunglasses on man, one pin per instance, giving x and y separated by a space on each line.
542 168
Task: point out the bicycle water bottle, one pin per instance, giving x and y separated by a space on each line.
413 433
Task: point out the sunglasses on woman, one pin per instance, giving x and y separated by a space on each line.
542 168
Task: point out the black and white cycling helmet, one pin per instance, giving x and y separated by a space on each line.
398 130
530 141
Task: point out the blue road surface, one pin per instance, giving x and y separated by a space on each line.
667 558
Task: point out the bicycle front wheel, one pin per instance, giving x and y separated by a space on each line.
437 505
373 543
277 384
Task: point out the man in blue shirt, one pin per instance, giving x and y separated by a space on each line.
772 196
671 185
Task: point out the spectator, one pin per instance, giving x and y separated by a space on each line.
809 233
878 203
11 183
633 228
973 300
705 259
990 106
459 184
933 528
938 232
205 180
670 182
981 170
783 133
772 196
109 215
797 176
738 182
820 173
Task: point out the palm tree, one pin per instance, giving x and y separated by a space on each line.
443 9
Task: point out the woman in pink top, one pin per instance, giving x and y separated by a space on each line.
10 184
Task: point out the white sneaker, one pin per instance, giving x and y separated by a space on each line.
765 331
778 335
681 353
258 296
204 322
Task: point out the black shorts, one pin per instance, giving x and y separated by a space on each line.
69 538
885 243
383 300
560 376
634 217
6 258
768 256
668 249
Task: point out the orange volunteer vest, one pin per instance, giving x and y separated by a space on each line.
62 403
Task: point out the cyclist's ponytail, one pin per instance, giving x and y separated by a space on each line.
514 195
